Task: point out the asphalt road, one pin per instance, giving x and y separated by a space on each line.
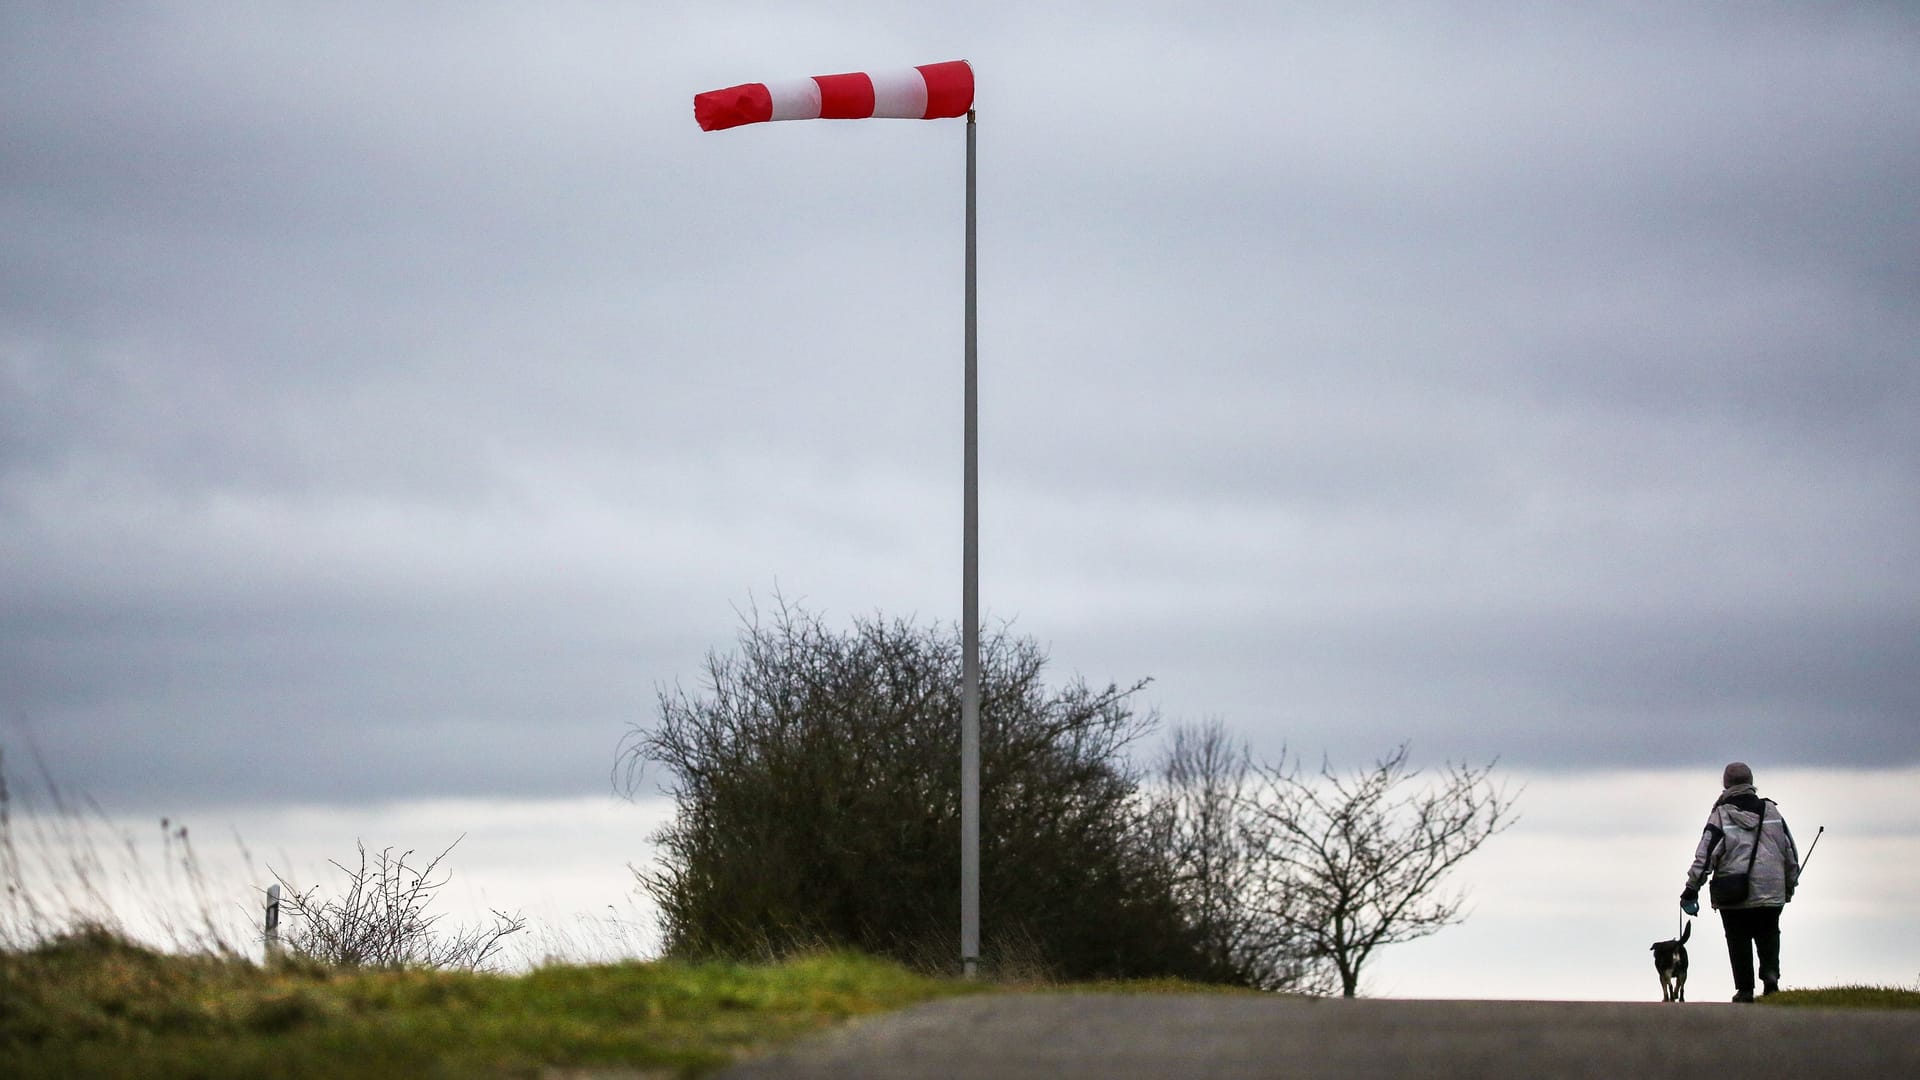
1012 1036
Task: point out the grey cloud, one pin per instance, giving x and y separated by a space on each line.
1550 691
1534 383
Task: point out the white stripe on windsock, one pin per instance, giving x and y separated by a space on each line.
798 99
899 95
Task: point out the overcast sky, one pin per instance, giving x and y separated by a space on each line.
393 397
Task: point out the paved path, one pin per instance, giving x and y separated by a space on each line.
1013 1036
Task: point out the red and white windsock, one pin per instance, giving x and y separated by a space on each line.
927 92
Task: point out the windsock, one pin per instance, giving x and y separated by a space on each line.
927 92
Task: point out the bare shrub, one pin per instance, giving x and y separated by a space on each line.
1203 820
381 919
1293 880
1351 863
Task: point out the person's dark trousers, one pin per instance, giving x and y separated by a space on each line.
1749 929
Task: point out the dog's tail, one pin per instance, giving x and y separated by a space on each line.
1686 932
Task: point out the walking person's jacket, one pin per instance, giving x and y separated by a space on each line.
1727 843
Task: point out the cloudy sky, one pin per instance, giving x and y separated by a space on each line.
393 397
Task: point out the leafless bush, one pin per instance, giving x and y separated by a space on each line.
1203 821
1351 863
1292 880
381 918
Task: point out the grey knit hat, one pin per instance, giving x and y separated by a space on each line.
1737 773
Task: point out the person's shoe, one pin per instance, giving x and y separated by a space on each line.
1769 986
1744 997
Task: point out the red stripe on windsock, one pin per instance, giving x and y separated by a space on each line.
949 88
845 97
748 103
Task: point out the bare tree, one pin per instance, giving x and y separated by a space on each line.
381 919
1201 820
1348 864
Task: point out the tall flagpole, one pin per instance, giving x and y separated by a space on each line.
970 622
928 92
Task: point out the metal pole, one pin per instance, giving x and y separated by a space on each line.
970 623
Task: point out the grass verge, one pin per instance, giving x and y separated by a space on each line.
1848 997
89 1004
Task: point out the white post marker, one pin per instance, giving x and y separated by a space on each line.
928 92
272 923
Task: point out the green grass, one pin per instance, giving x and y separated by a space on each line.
1849 997
91 1005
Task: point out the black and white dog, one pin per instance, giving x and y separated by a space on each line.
1670 962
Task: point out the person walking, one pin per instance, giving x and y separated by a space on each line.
1749 850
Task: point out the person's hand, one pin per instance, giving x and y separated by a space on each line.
1690 901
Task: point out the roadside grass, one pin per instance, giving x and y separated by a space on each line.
1849 997
83 994
91 1004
